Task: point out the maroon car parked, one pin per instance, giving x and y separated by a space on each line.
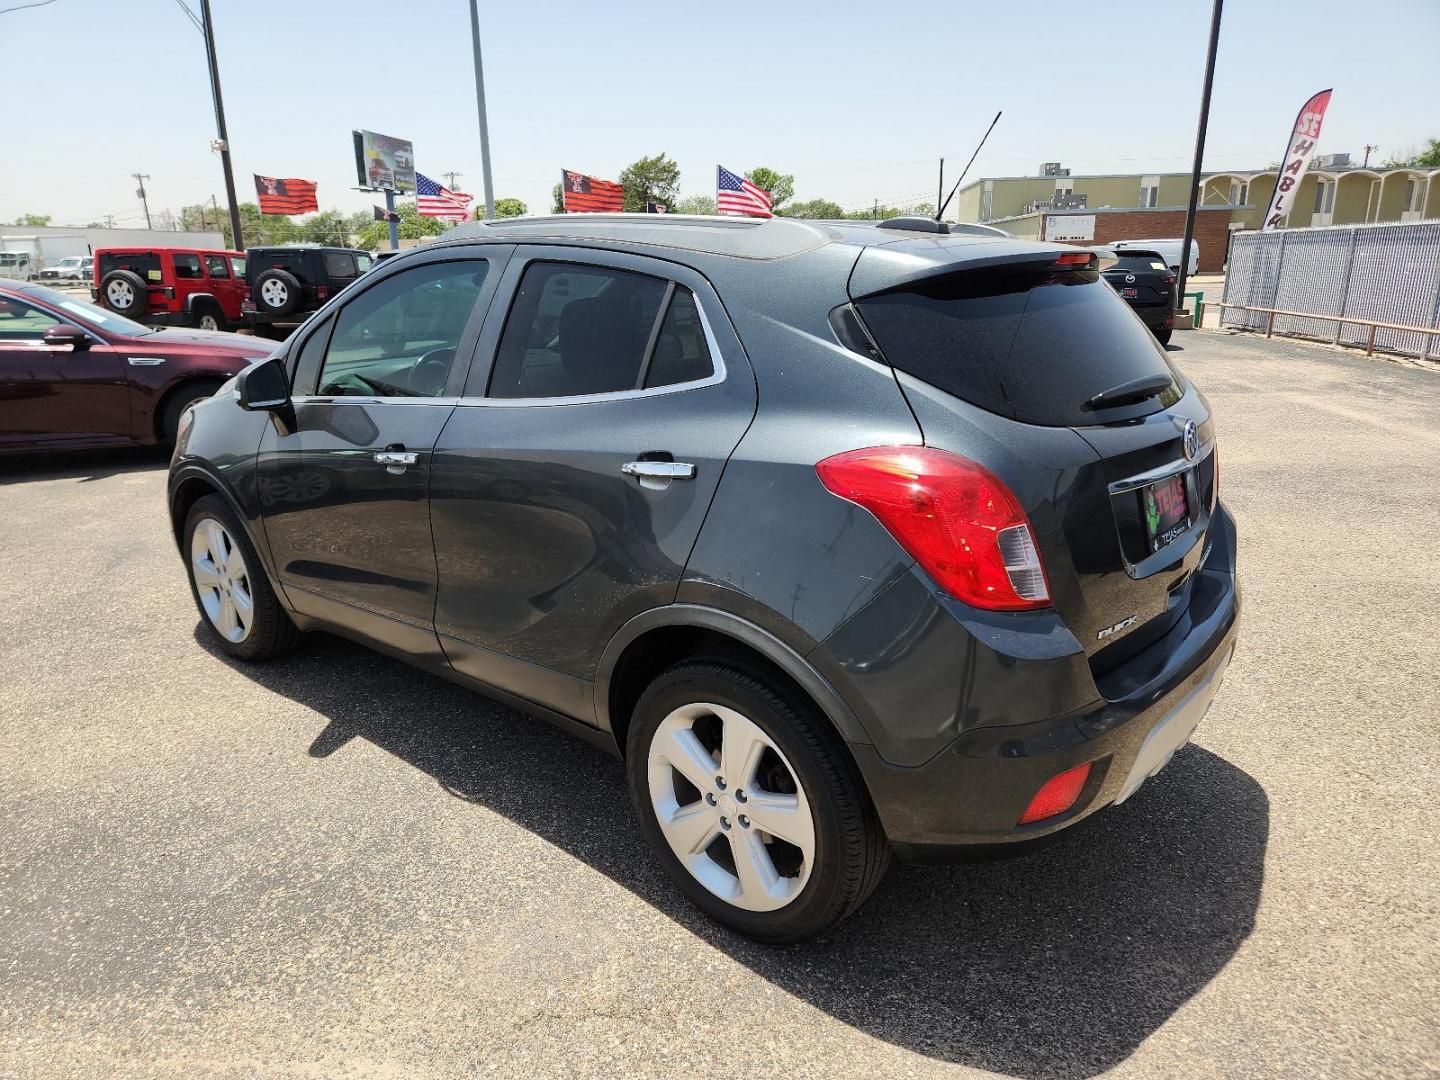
73 375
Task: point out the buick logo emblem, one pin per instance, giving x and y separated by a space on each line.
1191 441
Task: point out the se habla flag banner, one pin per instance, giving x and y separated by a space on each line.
1298 153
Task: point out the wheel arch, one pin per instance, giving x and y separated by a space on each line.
175 389
656 639
200 298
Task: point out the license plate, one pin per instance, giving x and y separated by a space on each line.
1130 294
1166 510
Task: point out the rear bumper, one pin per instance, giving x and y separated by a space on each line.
975 791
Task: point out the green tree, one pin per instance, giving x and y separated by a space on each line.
814 208
695 204
557 200
780 187
328 227
1427 158
504 208
651 179
881 212
34 221
376 235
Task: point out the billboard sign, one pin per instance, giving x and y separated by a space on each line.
383 163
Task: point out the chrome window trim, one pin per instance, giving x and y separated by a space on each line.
714 379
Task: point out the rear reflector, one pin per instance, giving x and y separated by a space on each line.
958 520
1057 796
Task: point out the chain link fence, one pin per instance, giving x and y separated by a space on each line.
1386 273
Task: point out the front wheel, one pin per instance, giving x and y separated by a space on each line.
751 802
239 609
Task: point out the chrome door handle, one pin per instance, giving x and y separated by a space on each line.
659 470
396 457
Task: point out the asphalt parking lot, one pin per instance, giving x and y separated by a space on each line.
334 866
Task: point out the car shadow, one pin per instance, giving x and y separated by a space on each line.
84 466
1056 963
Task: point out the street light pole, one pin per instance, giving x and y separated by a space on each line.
222 140
480 104
1199 150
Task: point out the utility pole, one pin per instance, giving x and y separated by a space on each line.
1199 149
450 178
480 104
940 191
1368 148
140 179
222 141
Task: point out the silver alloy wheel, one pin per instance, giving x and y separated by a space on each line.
733 811
274 293
120 294
209 322
222 580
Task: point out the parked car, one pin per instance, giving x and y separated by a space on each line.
70 268
17 265
288 283
1144 282
1169 250
76 376
172 286
850 540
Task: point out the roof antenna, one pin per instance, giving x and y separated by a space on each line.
941 212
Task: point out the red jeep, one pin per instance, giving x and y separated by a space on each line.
172 286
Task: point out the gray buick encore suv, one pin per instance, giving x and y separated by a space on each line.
849 539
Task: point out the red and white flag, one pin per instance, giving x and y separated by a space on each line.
1298 152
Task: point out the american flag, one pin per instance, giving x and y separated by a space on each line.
736 195
436 200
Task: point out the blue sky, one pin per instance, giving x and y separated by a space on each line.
857 100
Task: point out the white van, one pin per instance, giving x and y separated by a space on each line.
1170 249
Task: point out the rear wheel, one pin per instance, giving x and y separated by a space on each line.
1162 334
240 611
751 802
207 316
123 292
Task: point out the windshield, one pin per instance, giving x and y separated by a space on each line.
90 313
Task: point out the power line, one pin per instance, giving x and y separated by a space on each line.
191 15
22 7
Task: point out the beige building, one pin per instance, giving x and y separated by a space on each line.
1332 193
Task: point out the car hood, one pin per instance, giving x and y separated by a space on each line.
214 339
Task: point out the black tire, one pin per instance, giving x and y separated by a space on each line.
180 399
270 632
851 853
130 293
284 296
1162 334
208 311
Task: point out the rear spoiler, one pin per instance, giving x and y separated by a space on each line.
887 267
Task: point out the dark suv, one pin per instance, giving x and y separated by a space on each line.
851 540
288 283
1145 283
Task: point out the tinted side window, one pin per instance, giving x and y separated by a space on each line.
574 330
398 338
21 322
144 263
186 266
1032 346
681 352
339 264
216 266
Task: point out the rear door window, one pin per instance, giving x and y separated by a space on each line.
187 267
340 265
1035 346
216 266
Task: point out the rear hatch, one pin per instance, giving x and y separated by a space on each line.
1141 278
1030 364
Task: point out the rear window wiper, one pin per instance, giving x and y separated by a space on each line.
1127 393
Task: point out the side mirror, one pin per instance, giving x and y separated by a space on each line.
63 334
263 387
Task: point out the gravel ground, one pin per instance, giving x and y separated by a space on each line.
334 866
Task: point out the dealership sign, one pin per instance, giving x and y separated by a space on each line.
1298 153
1070 227
383 163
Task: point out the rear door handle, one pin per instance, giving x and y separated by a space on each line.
659 470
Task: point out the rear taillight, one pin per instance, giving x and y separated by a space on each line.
1079 258
322 292
1057 796
1171 279
960 522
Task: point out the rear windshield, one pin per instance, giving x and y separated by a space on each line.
258 262
340 264
1143 262
1035 347
144 263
